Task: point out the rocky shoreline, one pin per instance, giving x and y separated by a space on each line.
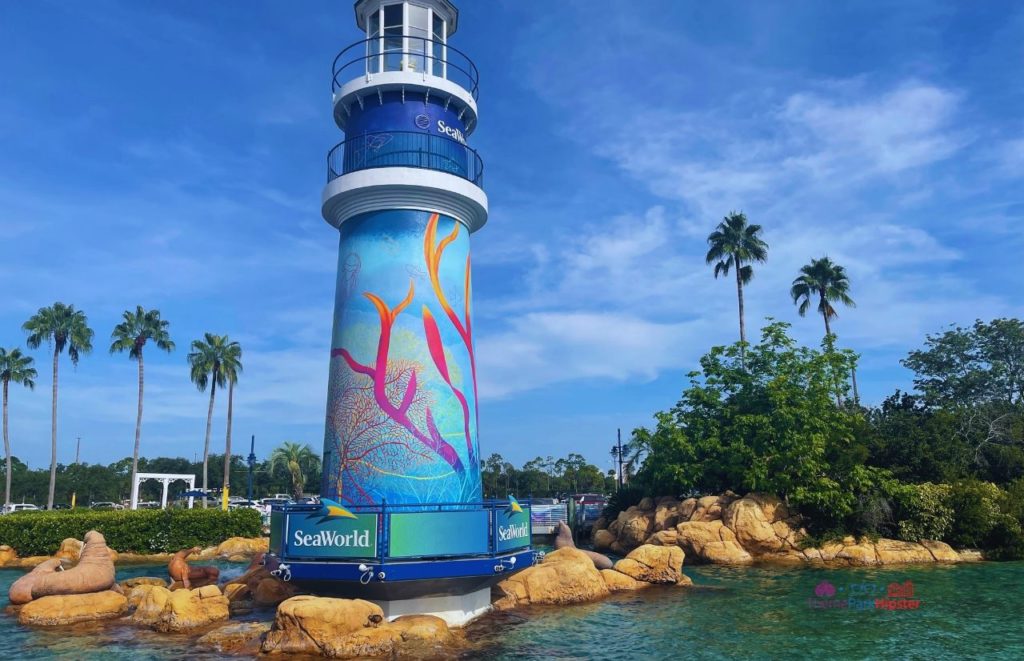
234 549
756 528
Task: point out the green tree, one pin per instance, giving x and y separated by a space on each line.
63 327
131 335
296 460
17 368
826 280
207 361
736 245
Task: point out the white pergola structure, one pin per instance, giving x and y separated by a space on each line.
166 479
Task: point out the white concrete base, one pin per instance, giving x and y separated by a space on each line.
457 611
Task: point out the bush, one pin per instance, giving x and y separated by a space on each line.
623 499
923 511
138 531
976 512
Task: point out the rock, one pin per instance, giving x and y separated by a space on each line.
725 553
751 518
940 551
708 509
664 538
416 636
138 593
129 583
618 582
666 514
635 527
686 509
894 552
73 608
70 549
237 591
653 564
566 576
600 524
317 625
970 555
603 539
242 547
243 638
271 591
646 504
858 554
181 610
693 536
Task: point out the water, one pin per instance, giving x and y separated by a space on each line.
966 611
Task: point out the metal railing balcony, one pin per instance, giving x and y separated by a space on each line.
405 53
408 149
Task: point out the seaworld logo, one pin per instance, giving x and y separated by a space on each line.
514 531
450 131
358 538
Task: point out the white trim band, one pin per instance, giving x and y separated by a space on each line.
379 189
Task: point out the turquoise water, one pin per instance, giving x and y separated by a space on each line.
966 611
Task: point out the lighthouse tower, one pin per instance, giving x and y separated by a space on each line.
403 520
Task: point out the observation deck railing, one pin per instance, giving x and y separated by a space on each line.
405 53
410 149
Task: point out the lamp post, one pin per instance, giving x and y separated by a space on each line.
252 465
617 453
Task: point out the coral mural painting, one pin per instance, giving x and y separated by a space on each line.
402 403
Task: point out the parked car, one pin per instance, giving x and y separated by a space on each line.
105 505
149 505
20 507
62 506
242 503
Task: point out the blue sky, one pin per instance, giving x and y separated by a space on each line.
172 155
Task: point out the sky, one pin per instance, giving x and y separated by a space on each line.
173 154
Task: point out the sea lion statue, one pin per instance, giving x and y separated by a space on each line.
179 570
93 573
564 539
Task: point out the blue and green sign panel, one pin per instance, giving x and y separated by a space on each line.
432 534
276 531
512 529
315 536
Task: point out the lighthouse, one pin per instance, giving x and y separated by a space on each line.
403 520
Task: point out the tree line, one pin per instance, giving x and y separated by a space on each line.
291 468
544 477
215 361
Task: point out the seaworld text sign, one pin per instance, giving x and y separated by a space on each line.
332 538
513 530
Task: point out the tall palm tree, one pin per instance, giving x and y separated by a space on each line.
14 367
207 360
231 367
131 335
297 459
826 280
63 327
736 245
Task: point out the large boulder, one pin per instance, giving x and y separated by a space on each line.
635 526
180 610
271 591
653 564
708 509
416 636
566 576
666 514
758 520
619 582
895 552
237 639
725 553
317 625
603 539
694 537
73 608
241 549
686 509
129 583
940 551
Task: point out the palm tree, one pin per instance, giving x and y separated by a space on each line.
736 245
131 335
826 280
16 367
207 361
297 459
231 367
63 327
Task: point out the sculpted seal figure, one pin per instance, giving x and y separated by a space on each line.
179 570
564 539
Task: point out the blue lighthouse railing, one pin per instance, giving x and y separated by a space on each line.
408 53
410 149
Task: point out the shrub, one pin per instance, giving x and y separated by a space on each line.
138 531
628 495
923 511
976 512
